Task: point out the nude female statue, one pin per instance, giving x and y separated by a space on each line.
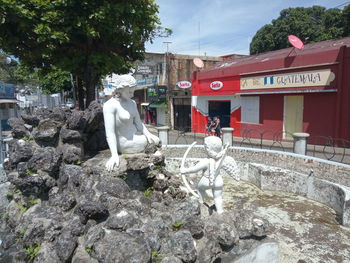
125 131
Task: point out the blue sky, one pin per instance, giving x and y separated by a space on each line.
221 26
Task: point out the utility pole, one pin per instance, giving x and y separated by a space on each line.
167 72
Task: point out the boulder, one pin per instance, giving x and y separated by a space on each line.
58 114
20 151
96 141
65 246
76 121
181 245
42 113
130 248
46 134
70 136
91 210
113 186
17 128
71 177
30 119
71 153
45 159
94 117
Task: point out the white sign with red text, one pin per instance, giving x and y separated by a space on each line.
216 85
184 84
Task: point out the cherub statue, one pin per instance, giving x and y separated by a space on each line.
125 131
211 178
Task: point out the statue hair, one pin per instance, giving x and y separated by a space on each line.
125 81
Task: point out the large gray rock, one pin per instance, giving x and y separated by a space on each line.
70 136
30 119
122 221
20 151
46 134
17 128
76 121
113 186
71 177
42 113
94 117
65 246
45 159
72 153
91 210
172 259
181 245
96 141
58 114
119 247
221 229
65 200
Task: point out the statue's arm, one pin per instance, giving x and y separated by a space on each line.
201 165
142 128
111 135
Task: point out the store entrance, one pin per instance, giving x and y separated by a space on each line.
220 109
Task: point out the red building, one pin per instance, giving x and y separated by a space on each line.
287 90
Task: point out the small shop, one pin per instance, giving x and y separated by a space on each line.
282 91
156 107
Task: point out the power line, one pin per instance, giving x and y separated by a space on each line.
347 2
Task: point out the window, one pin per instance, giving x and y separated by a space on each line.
250 109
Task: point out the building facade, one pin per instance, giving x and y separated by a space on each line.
180 69
286 90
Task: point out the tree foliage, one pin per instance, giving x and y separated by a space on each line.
87 38
310 24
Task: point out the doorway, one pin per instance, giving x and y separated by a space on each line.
221 109
182 114
293 115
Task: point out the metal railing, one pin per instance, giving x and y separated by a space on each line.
333 149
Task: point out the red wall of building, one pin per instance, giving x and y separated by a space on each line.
319 114
271 118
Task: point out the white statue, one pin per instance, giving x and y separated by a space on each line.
125 131
211 178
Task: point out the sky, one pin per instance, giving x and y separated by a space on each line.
220 27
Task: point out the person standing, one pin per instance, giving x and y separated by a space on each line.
217 126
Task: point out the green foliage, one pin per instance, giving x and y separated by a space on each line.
20 234
29 172
33 251
177 226
5 216
27 138
346 17
156 257
33 202
21 208
148 192
77 162
86 38
9 195
89 250
311 24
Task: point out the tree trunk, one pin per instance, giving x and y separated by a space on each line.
90 85
80 91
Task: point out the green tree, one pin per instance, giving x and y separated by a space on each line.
346 17
310 24
87 38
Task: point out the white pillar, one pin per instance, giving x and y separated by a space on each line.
300 142
163 134
227 134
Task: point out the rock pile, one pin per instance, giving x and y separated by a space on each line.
64 207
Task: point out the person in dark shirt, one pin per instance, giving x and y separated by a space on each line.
217 126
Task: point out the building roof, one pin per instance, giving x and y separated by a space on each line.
283 58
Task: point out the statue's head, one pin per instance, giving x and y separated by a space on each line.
125 87
213 146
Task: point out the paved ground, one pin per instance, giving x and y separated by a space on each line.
306 230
